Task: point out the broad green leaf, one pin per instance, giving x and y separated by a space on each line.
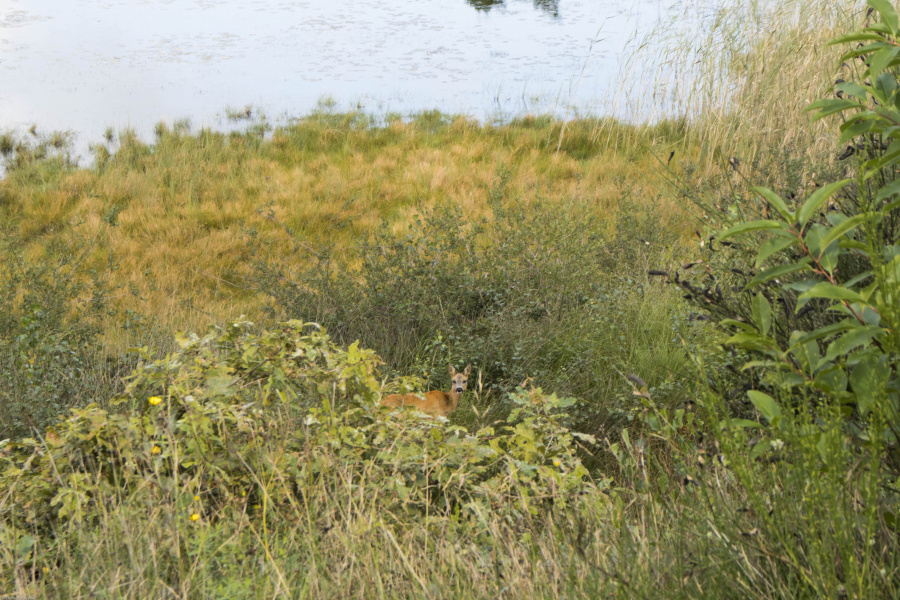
750 226
882 60
808 355
865 50
752 341
852 88
765 404
869 380
860 123
888 13
856 36
779 271
828 330
739 324
831 292
830 106
776 244
825 255
762 313
776 201
891 189
817 199
842 228
831 379
851 340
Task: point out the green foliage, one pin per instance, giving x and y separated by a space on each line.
50 348
810 503
530 290
276 428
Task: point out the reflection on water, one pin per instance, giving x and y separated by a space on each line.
87 65
551 7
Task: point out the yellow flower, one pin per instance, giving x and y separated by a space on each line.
154 400
156 450
555 462
195 517
197 498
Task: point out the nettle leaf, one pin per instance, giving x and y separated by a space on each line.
762 313
869 380
817 199
765 404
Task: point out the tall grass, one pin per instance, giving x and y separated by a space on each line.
740 73
182 206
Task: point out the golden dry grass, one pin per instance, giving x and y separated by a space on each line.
187 201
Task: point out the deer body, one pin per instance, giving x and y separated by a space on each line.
435 402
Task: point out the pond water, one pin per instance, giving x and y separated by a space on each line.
85 65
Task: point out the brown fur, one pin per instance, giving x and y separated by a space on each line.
436 402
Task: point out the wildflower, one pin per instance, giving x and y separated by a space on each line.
195 517
555 462
196 498
156 450
154 400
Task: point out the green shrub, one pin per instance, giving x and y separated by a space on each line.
278 428
796 490
51 354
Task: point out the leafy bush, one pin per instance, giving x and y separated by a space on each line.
276 427
799 486
51 355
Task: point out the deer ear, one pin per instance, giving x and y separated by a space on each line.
468 370
451 370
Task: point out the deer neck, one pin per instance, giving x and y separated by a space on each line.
453 398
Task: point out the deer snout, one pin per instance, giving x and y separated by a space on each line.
459 389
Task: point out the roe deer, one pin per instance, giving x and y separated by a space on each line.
435 403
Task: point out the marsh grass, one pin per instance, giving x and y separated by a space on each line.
183 205
740 74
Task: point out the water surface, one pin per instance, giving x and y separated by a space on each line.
85 65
